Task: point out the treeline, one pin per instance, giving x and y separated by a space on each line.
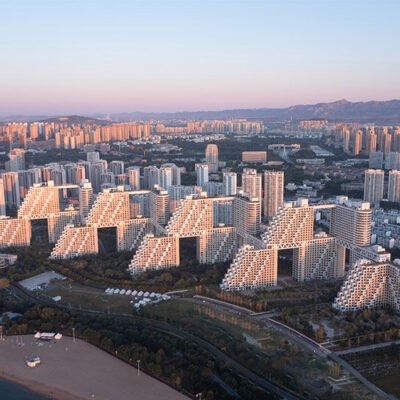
177 362
353 329
112 270
251 302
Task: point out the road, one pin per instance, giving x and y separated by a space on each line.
269 386
344 364
301 339
366 348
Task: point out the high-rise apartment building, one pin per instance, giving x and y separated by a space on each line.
75 173
394 186
212 157
371 144
85 198
134 177
386 143
11 189
96 171
27 179
120 179
166 176
346 141
376 159
159 206
2 199
273 192
374 185
151 177
351 222
93 156
176 173
201 174
357 144
392 160
16 160
117 167
229 182
246 214
107 178
213 188
252 183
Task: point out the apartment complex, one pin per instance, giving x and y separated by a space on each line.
370 284
273 192
226 228
394 186
374 185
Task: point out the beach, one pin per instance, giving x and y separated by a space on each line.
77 371
13 391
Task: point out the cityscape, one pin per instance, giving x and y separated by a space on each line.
231 241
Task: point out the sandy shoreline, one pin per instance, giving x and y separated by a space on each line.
77 371
40 389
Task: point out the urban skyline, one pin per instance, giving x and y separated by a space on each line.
199 199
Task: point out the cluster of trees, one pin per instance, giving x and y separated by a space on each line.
369 326
178 362
297 321
276 358
240 299
381 366
111 269
311 293
353 329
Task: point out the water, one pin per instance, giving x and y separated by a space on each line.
13 391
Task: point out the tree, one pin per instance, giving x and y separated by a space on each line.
160 355
4 283
320 334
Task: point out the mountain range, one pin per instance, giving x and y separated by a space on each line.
341 110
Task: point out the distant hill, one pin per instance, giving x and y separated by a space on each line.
370 111
70 119
341 110
75 119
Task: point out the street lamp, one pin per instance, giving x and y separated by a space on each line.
138 367
199 396
73 335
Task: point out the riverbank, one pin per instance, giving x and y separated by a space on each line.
77 371
14 391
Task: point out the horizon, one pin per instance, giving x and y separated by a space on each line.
155 56
99 113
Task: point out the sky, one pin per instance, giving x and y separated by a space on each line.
107 56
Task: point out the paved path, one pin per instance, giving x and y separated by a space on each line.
303 340
368 347
262 382
297 336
